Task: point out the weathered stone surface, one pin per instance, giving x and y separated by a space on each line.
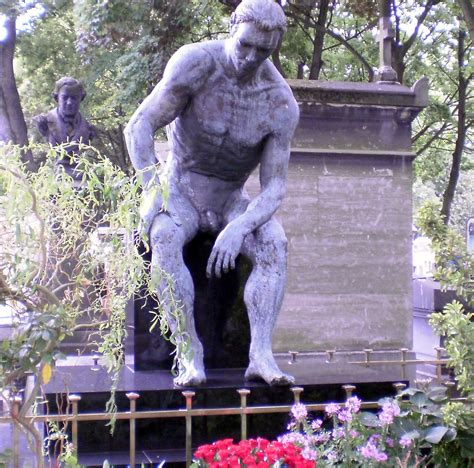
347 216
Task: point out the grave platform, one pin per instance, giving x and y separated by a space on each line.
164 439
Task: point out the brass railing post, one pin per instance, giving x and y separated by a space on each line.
74 400
404 352
399 387
439 355
293 356
367 353
450 386
16 435
297 391
189 425
243 392
349 390
132 397
330 355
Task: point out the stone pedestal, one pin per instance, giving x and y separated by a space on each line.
348 218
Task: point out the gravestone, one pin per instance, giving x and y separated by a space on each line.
348 218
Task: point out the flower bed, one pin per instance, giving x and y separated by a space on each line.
414 429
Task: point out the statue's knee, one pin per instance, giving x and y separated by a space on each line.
274 252
164 236
281 245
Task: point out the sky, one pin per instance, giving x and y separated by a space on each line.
23 22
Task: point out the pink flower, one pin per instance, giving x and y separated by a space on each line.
309 453
390 410
353 433
353 404
405 441
321 437
316 424
370 451
332 409
389 441
338 433
345 415
332 456
299 412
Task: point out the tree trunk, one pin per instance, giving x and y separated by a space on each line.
276 59
318 43
10 106
448 195
468 15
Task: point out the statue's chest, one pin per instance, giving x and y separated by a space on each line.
236 116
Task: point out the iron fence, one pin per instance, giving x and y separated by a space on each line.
188 412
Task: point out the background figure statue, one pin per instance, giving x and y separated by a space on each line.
65 124
228 110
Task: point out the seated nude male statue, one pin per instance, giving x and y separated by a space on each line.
228 110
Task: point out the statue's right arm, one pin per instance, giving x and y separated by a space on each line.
185 73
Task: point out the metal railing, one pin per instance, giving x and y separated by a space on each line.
188 412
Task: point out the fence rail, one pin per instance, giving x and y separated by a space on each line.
188 412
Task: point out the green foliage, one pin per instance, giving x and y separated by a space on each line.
68 260
455 269
45 54
412 429
457 327
54 263
455 265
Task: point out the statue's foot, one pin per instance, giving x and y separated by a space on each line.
190 377
268 370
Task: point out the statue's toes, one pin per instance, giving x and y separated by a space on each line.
189 380
281 380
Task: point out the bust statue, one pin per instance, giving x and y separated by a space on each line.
64 123
227 112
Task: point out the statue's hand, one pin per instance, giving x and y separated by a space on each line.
226 249
149 209
42 124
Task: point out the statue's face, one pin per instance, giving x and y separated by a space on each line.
250 47
69 101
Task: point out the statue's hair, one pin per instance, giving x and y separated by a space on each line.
265 14
70 83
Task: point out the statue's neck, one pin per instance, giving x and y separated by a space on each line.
69 119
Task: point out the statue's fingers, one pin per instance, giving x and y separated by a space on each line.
210 263
232 262
219 264
227 263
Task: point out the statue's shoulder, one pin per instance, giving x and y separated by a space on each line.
47 123
283 101
281 90
199 57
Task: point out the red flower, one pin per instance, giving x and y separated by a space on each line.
252 453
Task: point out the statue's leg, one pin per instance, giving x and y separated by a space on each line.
266 248
167 241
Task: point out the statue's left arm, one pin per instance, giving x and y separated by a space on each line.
273 174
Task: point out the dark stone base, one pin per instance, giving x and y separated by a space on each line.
164 439
219 311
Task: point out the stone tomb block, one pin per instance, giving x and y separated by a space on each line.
347 215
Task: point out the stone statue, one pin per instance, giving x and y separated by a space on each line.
65 124
227 110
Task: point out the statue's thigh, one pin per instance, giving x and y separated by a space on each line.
171 233
266 244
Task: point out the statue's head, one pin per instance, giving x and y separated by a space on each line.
68 93
256 27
